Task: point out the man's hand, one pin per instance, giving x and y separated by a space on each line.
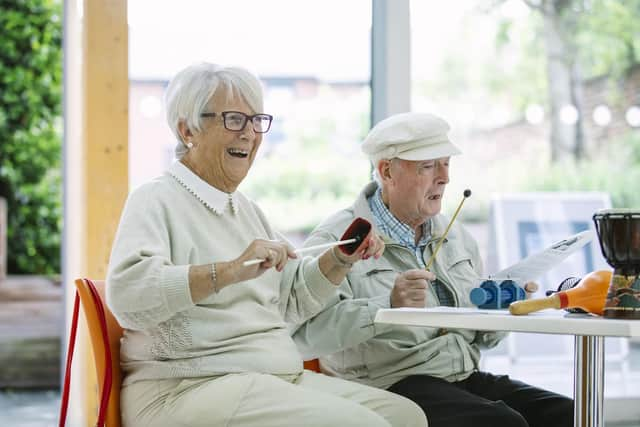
410 288
530 288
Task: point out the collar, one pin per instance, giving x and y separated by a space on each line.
434 227
207 194
397 230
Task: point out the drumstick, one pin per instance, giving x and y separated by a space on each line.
303 251
465 194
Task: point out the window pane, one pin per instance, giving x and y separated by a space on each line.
538 102
314 62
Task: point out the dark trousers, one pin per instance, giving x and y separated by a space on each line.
488 400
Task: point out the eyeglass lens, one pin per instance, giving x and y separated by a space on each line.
237 121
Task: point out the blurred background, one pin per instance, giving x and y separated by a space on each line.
543 97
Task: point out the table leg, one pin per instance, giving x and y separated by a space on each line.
588 380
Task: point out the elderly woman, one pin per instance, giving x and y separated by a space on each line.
206 341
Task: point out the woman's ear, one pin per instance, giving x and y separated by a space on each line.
185 133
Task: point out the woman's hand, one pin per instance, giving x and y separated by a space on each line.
372 246
335 264
275 253
206 279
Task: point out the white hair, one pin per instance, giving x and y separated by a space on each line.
191 89
375 175
375 158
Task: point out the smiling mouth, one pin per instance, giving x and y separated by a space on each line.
236 152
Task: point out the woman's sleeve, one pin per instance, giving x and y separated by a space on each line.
144 287
304 290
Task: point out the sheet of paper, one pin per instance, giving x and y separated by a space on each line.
539 263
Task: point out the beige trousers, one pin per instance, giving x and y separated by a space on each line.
261 400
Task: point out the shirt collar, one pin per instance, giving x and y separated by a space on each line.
208 195
395 229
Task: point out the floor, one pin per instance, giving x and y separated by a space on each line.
29 408
40 409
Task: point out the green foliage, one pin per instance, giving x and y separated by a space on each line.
299 190
608 37
30 132
615 170
318 171
604 34
524 82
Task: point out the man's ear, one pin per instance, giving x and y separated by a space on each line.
184 131
384 169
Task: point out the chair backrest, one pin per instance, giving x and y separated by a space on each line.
107 358
312 365
114 332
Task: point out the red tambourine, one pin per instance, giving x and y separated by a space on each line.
359 230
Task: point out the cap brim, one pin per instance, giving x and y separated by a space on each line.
430 152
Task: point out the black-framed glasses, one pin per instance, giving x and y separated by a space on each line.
236 120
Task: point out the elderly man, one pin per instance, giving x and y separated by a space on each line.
436 368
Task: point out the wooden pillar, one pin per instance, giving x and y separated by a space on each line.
95 161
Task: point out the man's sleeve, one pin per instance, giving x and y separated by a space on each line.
345 322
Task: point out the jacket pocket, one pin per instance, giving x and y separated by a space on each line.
460 276
377 271
374 282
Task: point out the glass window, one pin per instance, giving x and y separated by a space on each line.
314 62
541 96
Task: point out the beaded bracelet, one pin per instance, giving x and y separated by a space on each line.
214 277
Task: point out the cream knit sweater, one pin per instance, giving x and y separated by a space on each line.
177 220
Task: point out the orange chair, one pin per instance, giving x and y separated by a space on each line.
105 334
312 365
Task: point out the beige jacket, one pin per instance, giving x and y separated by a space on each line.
351 346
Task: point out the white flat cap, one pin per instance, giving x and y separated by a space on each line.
409 136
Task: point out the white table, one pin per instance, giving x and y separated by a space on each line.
589 332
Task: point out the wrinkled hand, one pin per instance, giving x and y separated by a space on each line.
372 246
274 252
410 288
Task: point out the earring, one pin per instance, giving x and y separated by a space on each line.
189 145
